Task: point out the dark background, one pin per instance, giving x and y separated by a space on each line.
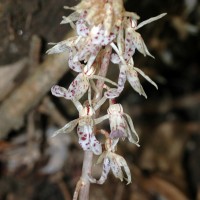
35 166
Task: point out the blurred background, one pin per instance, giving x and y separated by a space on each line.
35 166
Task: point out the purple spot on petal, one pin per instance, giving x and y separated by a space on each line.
83 138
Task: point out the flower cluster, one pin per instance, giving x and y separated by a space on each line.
105 33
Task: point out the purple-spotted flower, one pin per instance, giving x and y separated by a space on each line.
130 73
113 162
86 46
136 37
85 122
79 85
121 125
105 32
124 50
126 46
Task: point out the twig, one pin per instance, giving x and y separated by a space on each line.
158 185
31 136
30 128
27 96
166 188
8 74
34 54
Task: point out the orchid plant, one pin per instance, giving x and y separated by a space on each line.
106 33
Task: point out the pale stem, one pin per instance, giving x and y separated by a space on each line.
88 155
104 68
86 169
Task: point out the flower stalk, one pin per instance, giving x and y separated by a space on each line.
106 33
86 169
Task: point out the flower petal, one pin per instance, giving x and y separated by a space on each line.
115 92
122 162
122 78
100 119
134 81
82 28
63 45
59 91
72 17
76 66
150 20
129 45
120 40
92 57
145 76
115 167
132 134
76 90
139 44
108 39
84 133
78 87
105 171
85 50
95 145
99 37
67 128
112 93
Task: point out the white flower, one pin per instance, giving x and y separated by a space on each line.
131 73
115 163
86 46
136 37
121 125
85 122
125 49
120 128
76 90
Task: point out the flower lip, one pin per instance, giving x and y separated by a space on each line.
117 134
